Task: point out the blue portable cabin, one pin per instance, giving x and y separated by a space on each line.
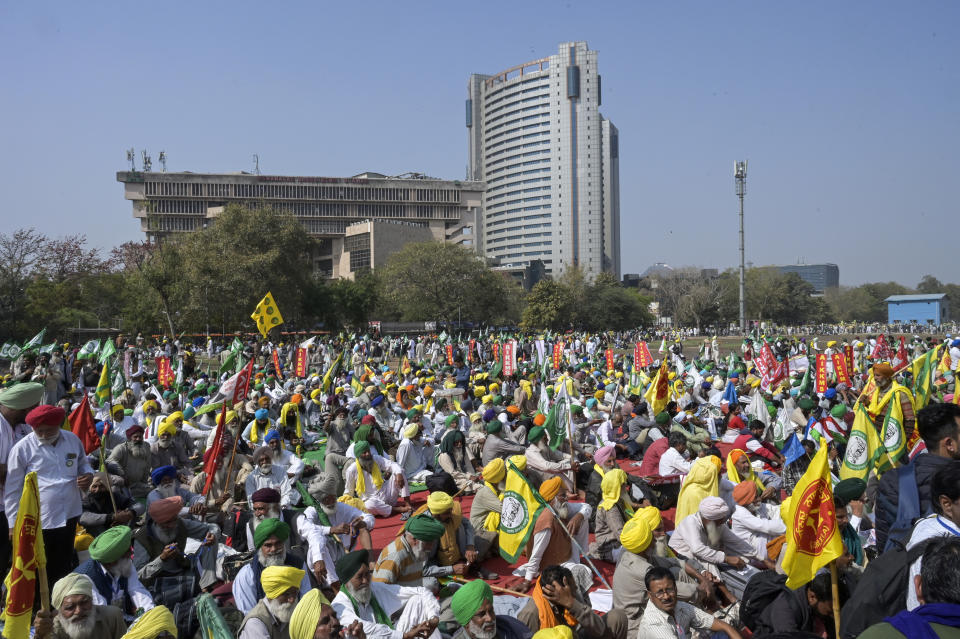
924 309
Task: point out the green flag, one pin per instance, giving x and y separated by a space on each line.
119 383
48 348
212 623
103 386
557 419
89 349
35 341
5 351
107 351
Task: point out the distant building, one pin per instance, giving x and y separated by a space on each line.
551 163
368 245
819 276
425 207
525 275
631 280
923 309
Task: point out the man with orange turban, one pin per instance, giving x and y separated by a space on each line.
550 544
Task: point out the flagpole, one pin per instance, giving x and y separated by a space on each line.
576 543
835 593
236 440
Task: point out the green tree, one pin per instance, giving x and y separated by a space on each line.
549 306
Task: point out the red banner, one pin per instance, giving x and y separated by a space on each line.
848 355
840 369
276 364
472 345
450 354
300 367
609 355
821 382
165 376
496 351
641 356
901 358
557 355
881 351
509 358
242 386
765 360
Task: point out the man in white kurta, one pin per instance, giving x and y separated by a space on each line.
378 481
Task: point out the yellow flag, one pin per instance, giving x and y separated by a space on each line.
863 447
331 373
521 507
894 437
28 559
267 315
658 395
356 386
813 539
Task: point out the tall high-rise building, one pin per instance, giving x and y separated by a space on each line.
550 162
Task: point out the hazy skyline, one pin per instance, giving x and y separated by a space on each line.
847 112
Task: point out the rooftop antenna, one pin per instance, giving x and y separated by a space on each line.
147 162
132 158
256 164
163 160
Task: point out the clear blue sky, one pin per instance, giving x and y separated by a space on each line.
849 112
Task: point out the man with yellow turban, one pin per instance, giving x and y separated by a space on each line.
740 469
158 623
415 454
456 551
166 450
550 544
76 615
486 508
315 618
271 616
472 607
638 557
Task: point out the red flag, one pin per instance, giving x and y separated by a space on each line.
881 351
300 368
557 355
840 369
641 356
821 377
496 351
900 360
242 387
509 358
473 344
211 463
848 355
449 350
165 374
81 425
609 356
276 364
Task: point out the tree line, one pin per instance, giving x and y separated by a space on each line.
210 281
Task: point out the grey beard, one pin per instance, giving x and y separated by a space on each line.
479 632
168 490
329 511
563 511
82 629
140 450
269 560
273 513
282 611
165 444
367 465
660 547
361 595
164 535
120 568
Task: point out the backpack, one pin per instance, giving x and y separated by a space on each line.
908 508
759 593
881 592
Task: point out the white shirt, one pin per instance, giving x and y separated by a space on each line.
245 592
317 535
57 467
659 625
277 479
370 488
757 529
391 598
410 457
927 528
673 463
138 594
9 435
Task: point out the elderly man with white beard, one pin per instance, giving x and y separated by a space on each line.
266 505
166 485
292 464
266 474
377 481
77 617
550 544
374 603
472 607
167 451
133 460
114 578
270 618
330 527
270 541
753 521
704 536
546 462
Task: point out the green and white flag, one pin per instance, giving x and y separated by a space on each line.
107 351
119 383
35 341
14 351
89 349
5 351
48 348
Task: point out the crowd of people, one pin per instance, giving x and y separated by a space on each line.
655 515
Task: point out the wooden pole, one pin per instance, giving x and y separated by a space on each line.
497 588
236 439
835 593
44 590
113 502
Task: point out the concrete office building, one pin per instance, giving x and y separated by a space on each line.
550 162
444 210
819 276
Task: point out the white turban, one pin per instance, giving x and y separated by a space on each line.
71 584
714 509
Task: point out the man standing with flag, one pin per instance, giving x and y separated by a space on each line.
58 458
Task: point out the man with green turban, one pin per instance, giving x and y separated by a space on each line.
377 481
113 575
374 603
543 462
495 445
472 607
405 560
270 539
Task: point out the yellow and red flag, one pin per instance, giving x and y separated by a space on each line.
658 395
813 539
28 559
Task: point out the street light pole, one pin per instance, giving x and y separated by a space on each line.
740 175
